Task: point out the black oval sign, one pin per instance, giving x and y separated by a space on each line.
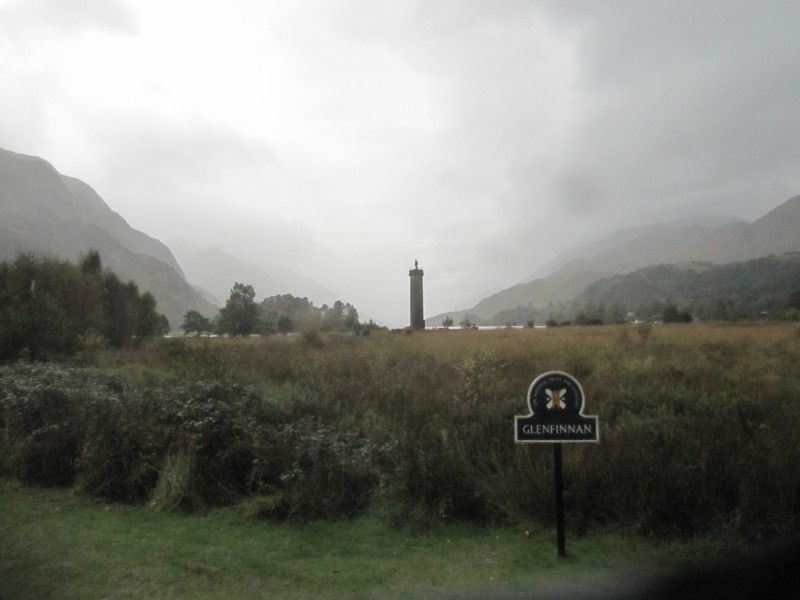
555 401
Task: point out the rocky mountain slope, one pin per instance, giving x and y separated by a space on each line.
45 213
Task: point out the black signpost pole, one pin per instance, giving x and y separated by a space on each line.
555 404
562 549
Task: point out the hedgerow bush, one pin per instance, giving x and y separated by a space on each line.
39 410
698 427
179 445
119 451
305 469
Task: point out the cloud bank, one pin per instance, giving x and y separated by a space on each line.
348 139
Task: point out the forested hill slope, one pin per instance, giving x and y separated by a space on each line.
45 213
758 288
775 233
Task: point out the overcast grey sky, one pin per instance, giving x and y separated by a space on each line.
347 138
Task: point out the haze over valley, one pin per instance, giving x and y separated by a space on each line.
320 150
46 213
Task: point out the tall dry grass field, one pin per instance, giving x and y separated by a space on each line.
698 426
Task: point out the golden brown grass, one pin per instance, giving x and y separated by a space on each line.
698 422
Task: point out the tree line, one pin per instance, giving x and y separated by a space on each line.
763 288
766 288
51 307
242 315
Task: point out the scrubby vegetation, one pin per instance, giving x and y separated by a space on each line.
698 426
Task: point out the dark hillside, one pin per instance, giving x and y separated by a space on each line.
744 290
47 214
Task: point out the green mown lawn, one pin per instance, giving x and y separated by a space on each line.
54 544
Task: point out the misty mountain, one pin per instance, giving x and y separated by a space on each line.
738 290
777 232
215 271
45 213
554 290
625 237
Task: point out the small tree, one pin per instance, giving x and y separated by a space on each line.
284 325
447 322
148 321
91 263
194 322
672 315
240 314
351 322
794 300
120 308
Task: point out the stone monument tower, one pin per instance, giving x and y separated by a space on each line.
417 313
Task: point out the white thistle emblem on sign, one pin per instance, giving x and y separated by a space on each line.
555 398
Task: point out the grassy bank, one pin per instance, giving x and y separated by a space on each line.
54 544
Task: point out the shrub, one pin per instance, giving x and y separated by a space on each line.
41 436
209 426
310 471
121 447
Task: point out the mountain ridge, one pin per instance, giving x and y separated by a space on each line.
215 270
776 232
43 212
749 289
